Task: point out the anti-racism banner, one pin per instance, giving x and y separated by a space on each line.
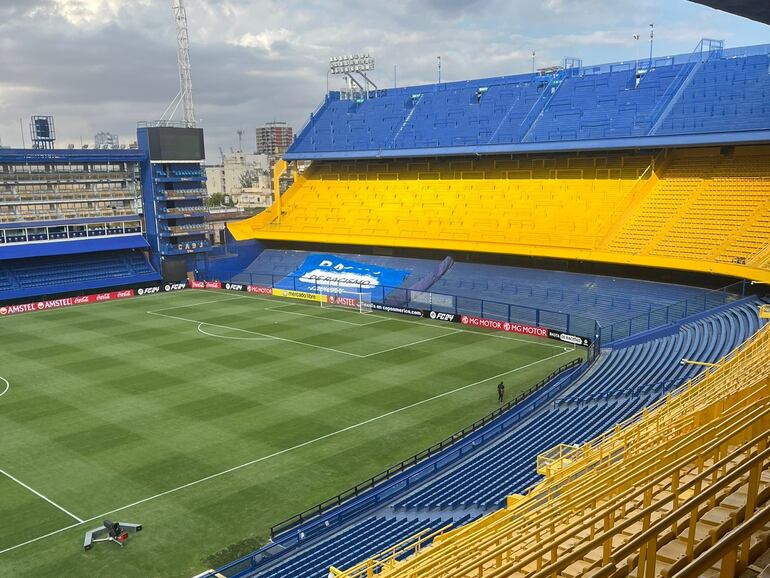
569 338
430 300
302 295
64 302
331 274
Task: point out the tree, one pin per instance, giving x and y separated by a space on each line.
250 178
219 200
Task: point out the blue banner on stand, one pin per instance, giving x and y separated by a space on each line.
331 274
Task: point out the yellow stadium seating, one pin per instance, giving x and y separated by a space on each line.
709 207
681 490
703 210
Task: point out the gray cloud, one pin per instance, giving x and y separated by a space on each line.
105 64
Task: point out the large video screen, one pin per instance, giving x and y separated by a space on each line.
176 144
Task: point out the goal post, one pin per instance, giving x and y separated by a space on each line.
349 299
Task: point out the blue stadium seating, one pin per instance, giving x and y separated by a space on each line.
723 91
722 94
21 278
594 297
362 539
637 369
6 282
603 106
621 383
509 466
569 302
274 264
726 95
624 380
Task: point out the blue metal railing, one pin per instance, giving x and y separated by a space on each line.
707 47
666 314
653 317
541 104
567 322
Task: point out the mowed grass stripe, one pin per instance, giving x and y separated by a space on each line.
30 515
254 316
115 402
276 454
178 406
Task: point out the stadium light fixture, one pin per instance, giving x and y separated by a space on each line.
357 63
350 65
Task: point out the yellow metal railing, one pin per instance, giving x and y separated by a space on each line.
728 549
648 501
667 446
388 558
556 458
536 535
650 425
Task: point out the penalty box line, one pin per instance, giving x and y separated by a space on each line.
381 318
39 495
281 309
254 333
282 452
275 337
538 343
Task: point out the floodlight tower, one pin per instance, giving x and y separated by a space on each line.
183 60
347 66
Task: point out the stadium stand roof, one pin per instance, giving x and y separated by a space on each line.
712 96
759 11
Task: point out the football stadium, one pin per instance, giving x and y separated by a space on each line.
502 327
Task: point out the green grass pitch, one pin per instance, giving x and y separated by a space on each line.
210 416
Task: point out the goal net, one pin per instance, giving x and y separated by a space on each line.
349 299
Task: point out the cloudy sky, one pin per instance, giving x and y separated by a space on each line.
105 64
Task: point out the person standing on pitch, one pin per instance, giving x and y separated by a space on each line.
500 392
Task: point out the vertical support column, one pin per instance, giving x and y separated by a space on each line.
278 169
